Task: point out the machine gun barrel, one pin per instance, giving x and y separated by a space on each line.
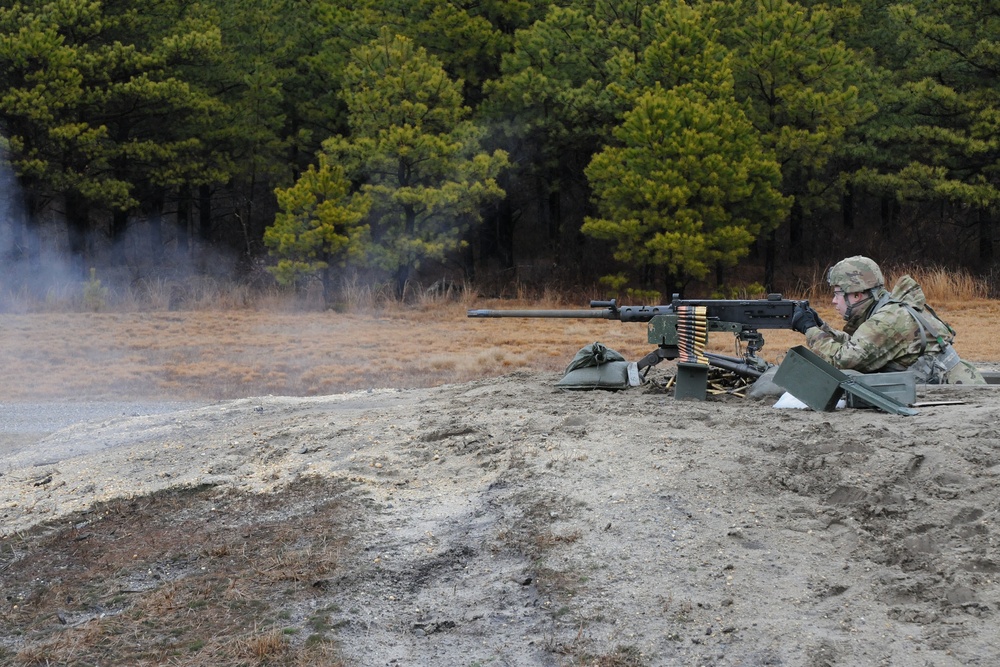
600 310
605 314
771 313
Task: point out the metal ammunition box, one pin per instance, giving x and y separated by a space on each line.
820 386
810 379
902 386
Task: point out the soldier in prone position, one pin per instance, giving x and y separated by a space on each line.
884 331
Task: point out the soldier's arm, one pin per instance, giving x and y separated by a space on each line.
869 349
824 332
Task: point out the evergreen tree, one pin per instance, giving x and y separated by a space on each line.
680 48
800 86
689 187
414 153
278 84
468 38
108 117
321 224
552 107
943 146
46 60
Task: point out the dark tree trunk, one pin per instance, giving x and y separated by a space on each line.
401 278
184 220
553 219
78 227
406 263
672 285
119 218
649 276
796 233
119 225
204 213
15 215
986 233
549 213
326 279
770 249
847 207
31 228
467 259
156 229
496 235
887 213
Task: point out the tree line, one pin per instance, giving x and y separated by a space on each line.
659 143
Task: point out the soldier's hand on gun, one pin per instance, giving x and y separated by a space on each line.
804 317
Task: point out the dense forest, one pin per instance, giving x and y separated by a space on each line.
655 145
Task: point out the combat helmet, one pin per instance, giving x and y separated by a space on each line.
855 274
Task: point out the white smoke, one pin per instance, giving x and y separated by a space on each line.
26 271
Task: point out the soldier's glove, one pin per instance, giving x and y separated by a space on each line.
819 320
804 317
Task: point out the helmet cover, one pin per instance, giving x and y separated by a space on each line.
855 274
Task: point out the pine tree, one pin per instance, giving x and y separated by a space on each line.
414 153
688 189
321 225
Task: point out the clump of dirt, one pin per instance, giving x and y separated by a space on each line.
505 521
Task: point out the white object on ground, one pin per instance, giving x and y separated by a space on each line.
787 401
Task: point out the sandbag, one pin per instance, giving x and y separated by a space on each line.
598 367
593 355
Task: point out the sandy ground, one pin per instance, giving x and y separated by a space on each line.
507 522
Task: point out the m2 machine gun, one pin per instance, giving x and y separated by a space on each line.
680 331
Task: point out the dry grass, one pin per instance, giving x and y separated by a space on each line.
223 353
152 581
941 286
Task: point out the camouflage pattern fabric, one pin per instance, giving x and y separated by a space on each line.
856 274
965 373
888 339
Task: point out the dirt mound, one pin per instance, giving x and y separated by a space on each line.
506 522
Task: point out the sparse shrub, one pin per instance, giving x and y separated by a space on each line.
95 295
264 646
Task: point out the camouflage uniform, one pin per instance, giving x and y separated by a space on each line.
892 331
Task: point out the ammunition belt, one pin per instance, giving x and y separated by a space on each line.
692 334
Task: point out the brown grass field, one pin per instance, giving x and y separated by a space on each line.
271 349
